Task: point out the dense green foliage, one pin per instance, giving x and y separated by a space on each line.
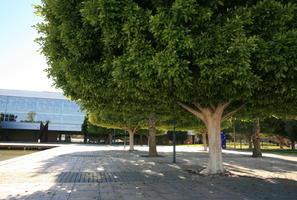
283 127
149 55
84 126
89 129
116 119
180 136
147 51
8 117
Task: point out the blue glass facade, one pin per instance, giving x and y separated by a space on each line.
46 107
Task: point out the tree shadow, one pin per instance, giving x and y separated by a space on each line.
215 187
241 163
94 173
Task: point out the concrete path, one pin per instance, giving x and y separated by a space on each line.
108 172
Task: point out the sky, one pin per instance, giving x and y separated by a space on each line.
21 64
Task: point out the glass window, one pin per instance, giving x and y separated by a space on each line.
20 104
21 116
70 108
3 103
48 106
49 117
54 110
72 119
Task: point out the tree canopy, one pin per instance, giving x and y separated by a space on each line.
211 57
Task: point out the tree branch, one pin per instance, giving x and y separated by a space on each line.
192 110
198 106
227 104
135 129
230 114
212 107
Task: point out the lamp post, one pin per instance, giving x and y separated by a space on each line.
234 139
125 139
174 142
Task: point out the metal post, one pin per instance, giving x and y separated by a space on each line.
174 143
125 141
234 139
113 137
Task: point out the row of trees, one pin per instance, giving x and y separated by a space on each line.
280 129
12 117
8 117
106 132
150 62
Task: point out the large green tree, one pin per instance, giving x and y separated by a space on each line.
210 57
291 131
131 122
285 128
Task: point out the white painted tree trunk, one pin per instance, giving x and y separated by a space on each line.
212 116
215 163
131 140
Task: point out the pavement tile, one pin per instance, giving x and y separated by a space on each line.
108 172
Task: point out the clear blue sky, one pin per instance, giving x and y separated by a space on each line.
21 64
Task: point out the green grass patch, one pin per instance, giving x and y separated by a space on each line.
274 151
190 145
263 146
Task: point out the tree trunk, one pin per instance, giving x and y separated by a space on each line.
110 138
131 138
281 144
292 145
256 139
215 163
152 137
106 139
213 116
250 142
204 140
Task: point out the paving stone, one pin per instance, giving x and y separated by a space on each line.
108 172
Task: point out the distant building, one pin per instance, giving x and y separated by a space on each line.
64 116
48 106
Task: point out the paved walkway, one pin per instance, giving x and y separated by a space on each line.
108 172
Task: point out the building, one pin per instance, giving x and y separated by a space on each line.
64 116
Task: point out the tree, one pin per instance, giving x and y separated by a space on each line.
244 128
181 136
31 116
90 130
97 132
84 128
283 128
250 127
8 117
291 130
131 122
210 57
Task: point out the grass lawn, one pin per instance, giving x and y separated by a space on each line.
275 151
190 145
263 146
238 146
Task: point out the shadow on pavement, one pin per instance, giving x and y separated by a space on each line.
122 174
